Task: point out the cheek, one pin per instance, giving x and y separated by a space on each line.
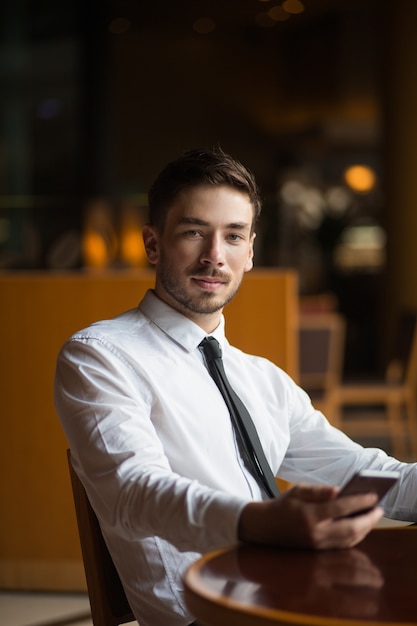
242 260
179 254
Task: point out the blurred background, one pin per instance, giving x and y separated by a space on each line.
316 97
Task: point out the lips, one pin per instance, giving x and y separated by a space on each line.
209 280
208 283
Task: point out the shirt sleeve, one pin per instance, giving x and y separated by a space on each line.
320 453
105 407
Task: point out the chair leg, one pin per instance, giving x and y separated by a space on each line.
332 410
411 424
396 428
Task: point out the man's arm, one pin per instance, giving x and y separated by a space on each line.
104 409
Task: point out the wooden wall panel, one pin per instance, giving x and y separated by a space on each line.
38 537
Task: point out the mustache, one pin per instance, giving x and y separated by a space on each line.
209 273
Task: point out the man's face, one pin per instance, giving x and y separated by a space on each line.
206 247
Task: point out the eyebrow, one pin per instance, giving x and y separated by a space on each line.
199 222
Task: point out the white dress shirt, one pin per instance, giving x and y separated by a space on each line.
152 441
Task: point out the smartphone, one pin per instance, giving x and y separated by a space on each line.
369 481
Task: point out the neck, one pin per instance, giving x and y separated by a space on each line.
207 321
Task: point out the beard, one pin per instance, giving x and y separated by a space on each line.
203 303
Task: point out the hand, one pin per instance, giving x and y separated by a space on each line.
309 516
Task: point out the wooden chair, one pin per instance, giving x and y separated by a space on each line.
395 395
109 605
321 354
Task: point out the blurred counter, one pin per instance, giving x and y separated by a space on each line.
38 536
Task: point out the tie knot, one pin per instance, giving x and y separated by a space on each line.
211 348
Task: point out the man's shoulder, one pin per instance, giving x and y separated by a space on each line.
128 322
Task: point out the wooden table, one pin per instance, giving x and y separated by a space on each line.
372 584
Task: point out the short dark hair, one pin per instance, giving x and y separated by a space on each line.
195 168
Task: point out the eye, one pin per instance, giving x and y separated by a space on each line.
235 237
192 233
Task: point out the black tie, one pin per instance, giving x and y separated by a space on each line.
246 434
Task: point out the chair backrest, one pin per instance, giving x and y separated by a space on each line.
109 605
321 350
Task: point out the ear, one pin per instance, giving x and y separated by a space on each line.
151 243
249 262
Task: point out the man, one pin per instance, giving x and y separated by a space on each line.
150 433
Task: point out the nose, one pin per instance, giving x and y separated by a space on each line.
213 252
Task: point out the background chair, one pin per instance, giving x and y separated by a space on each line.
109 605
321 354
393 398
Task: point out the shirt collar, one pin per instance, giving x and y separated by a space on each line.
174 324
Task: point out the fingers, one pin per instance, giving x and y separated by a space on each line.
348 506
310 517
330 505
345 532
313 493
339 522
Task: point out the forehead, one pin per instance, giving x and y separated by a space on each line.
212 203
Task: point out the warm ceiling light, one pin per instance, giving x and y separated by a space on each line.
131 248
293 6
360 178
95 250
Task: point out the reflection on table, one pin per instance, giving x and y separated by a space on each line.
373 583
